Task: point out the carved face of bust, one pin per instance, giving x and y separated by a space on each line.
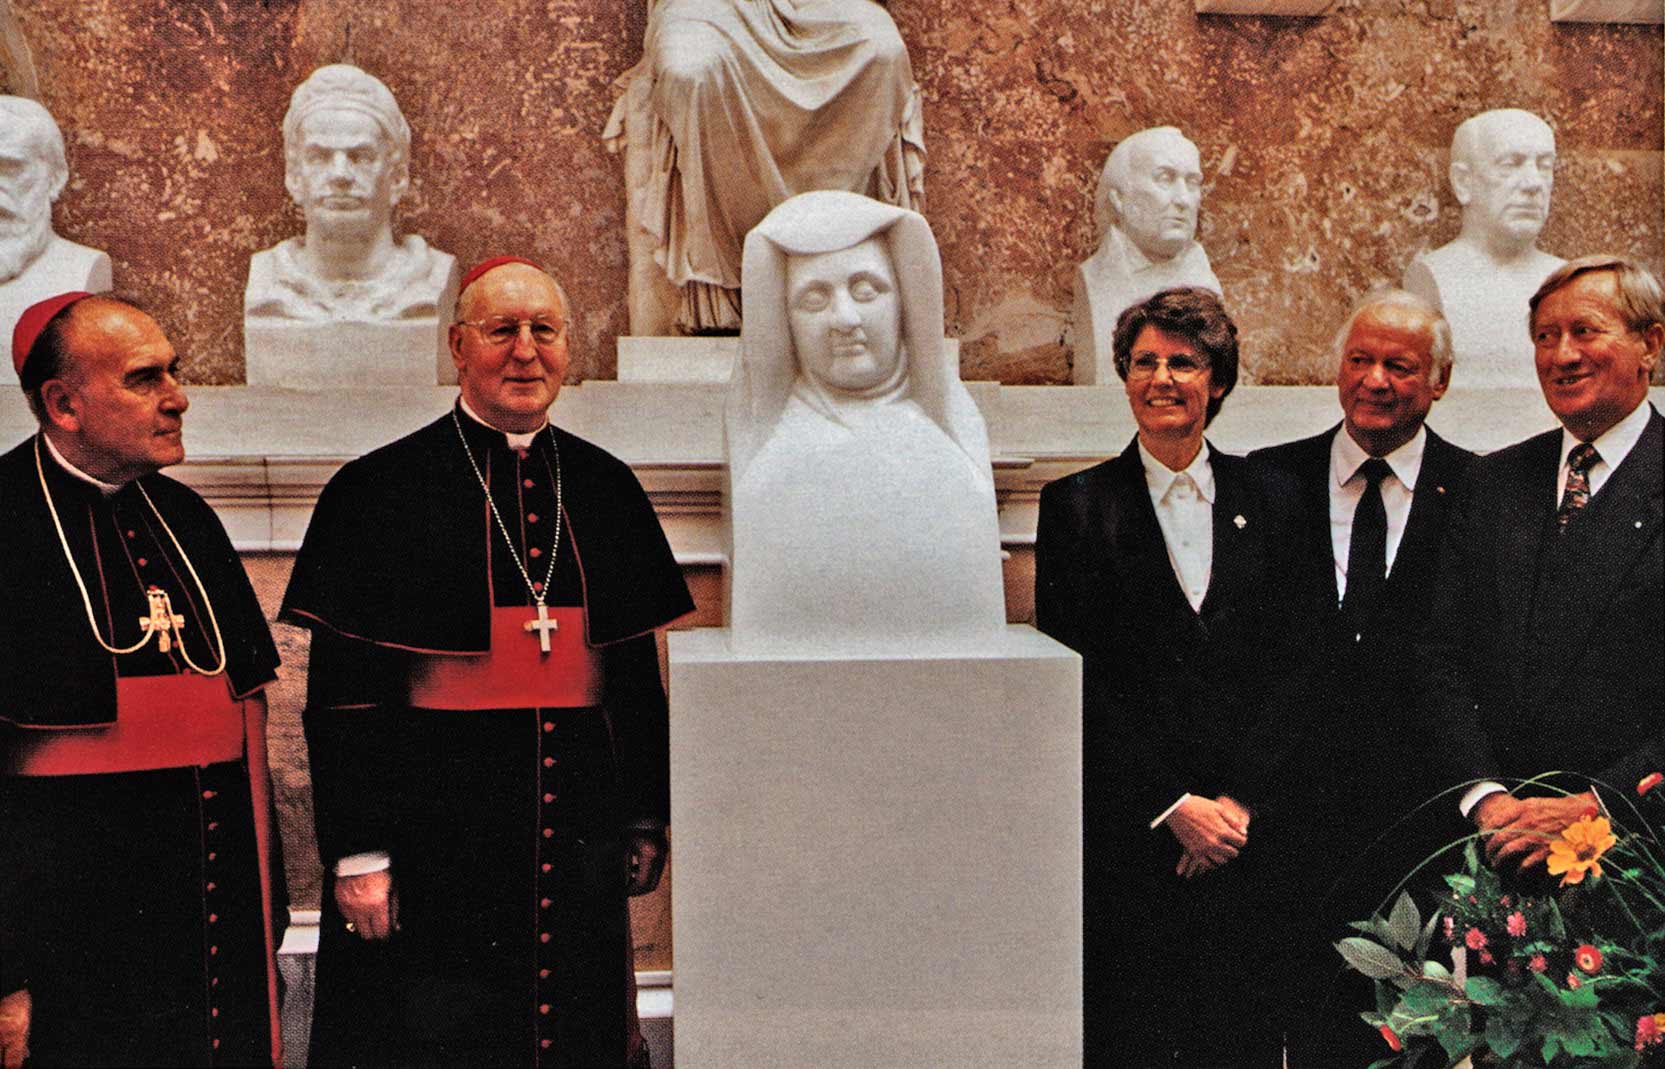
346 175
1157 195
26 190
1503 174
846 316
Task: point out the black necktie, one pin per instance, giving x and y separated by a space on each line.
1367 551
1579 462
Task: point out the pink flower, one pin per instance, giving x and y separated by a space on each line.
1537 963
1650 1030
1588 958
1573 981
1475 939
1504 901
1450 930
1517 924
1649 782
1486 957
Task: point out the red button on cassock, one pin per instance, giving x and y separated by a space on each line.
544 1009
546 1043
546 903
549 833
531 517
548 726
549 762
534 552
528 483
543 974
547 798
546 866
543 937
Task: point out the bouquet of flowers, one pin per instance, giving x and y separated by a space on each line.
1567 975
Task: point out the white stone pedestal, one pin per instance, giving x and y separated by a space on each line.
878 861
310 356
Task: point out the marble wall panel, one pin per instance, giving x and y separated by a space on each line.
1324 141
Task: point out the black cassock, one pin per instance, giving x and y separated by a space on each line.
130 902
506 827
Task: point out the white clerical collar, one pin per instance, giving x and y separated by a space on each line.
516 441
1160 478
103 487
1346 457
1617 441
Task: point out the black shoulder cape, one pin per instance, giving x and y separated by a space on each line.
395 553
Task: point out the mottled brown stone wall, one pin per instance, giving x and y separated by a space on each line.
1324 142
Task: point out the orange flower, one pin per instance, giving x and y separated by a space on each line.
1392 1040
1579 849
1588 958
1649 782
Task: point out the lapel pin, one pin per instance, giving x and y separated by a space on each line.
1440 489
1242 523
1638 525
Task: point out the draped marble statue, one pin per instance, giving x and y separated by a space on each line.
736 106
35 262
861 501
346 292
1502 171
1145 210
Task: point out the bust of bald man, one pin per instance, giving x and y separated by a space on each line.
1146 209
35 262
1502 171
347 301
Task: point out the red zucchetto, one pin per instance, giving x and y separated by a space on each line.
486 265
34 320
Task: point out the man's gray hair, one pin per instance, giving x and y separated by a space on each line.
343 86
44 134
1641 300
1439 331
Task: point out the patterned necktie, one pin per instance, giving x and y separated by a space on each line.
1367 549
1579 462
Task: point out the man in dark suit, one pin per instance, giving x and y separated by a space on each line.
1163 567
1544 652
1375 492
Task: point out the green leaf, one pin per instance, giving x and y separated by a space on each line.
1426 1000
1435 970
1375 926
1471 857
1579 998
1579 1043
1382 1063
1484 991
1453 1034
1557 923
1463 885
1426 939
1405 922
1371 959
1551 1047
1503 1037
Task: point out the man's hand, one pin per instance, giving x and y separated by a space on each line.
369 903
648 851
1523 838
1211 833
15 1011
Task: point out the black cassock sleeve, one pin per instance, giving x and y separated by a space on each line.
635 701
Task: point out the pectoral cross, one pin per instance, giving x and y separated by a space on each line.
543 625
162 619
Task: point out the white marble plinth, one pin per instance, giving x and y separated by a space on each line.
877 860
317 356
1644 11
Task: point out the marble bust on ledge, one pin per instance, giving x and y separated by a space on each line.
35 262
347 293
1146 209
1502 171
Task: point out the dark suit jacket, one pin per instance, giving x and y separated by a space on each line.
1171 697
1358 732
1546 651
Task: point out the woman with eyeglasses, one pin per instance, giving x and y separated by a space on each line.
1161 568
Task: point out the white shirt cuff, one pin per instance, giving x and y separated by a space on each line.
1168 812
1472 796
363 864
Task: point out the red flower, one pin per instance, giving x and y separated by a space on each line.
1504 901
1537 963
1647 1031
1650 781
1588 958
1573 981
1486 957
1393 1040
1475 938
1517 924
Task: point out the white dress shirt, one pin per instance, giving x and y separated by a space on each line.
1347 488
1612 446
1184 503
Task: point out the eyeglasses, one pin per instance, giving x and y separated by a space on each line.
1181 366
500 332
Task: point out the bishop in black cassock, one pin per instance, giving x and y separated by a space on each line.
500 784
135 808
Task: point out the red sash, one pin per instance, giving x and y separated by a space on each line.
173 721
170 721
515 673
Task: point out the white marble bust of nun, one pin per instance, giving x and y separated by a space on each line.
861 508
1502 172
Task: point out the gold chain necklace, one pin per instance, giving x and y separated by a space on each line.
543 625
161 618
